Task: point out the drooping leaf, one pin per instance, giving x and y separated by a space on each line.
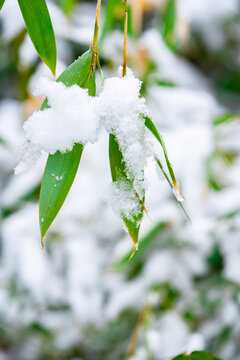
172 181
1 4
150 125
61 168
119 174
171 186
197 355
39 26
59 175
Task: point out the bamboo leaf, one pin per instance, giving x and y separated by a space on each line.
59 175
171 186
61 168
172 181
39 26
150 125
196 355
1 4
119 174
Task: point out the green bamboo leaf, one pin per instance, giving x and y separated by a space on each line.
196 355
119 174
173 182
58 178
171 186
61 168
150 125
1 4
39 26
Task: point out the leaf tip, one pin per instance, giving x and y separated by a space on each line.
43 248
134 251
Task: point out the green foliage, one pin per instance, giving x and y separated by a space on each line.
61 168
150 125
224 118
169 24
114 17
1 3
118 172
68 6
172 181
58 177
39 26
197 355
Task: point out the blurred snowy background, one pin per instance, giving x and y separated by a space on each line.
83 300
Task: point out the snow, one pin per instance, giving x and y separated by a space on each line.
71 118
123 199
122 111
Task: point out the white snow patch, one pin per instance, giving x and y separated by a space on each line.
71 118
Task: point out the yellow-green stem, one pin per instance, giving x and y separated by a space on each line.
95 36
124 70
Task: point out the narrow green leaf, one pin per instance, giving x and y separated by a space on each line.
61 168
1 4
197 355
39 26
171 186
119 174
59 175
150 125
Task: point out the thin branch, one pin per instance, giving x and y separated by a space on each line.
124 70
95 36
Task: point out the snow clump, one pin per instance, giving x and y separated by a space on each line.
122 112
123 200
70 119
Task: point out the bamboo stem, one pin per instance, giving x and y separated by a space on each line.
124 70
95 36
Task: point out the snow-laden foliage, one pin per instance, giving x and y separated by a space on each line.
83 300
74 117
122 112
